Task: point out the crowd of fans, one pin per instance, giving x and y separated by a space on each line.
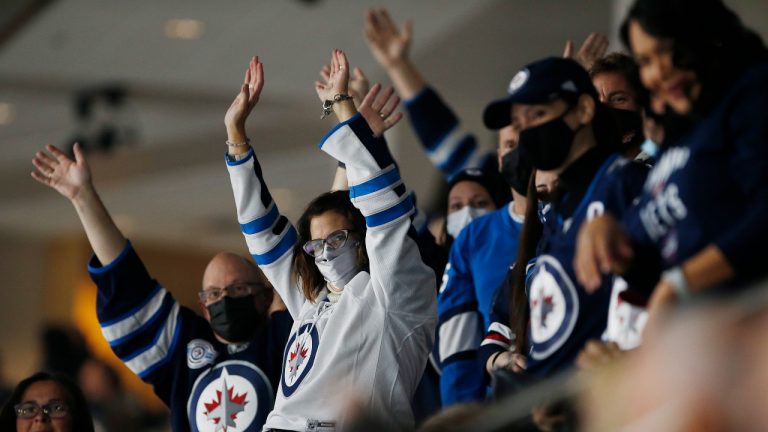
601 271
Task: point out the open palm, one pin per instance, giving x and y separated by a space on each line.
61 173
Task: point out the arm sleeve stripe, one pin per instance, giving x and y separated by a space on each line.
460 333
454 150
447 314
140 360
470 355
284 245
262 223
131 329
169 353
239 162
404 207
105 268
501 329
146 309
388 178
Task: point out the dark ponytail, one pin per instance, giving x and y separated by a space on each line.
526 250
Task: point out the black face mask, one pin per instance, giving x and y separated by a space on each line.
516 171
547 145
629 124
235 319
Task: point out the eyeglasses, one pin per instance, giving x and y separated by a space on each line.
235 290
334 240
28 410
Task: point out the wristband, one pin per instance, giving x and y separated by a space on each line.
676 278
243 144
328 104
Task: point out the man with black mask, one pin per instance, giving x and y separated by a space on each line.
214 372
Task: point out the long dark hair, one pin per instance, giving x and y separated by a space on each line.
81 416
305 272
707 38
519 313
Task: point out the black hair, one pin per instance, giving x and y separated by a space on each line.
305 271
707 38
81 416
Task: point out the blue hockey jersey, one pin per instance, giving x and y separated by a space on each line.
206 384
711 187
478 263
563 316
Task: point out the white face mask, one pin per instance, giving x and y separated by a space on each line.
338 266
459 219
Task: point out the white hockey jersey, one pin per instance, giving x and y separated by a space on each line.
372 342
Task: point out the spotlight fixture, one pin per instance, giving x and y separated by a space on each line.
184 28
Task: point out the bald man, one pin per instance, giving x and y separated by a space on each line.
216 372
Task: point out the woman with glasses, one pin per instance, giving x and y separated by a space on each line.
350 274
46 402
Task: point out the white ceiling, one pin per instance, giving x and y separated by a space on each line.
170 185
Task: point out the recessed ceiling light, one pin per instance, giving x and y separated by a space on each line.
7 113
187 29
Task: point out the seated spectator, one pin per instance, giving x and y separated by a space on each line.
46 402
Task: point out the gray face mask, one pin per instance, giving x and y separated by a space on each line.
338 266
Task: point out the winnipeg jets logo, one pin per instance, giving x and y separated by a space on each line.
299 357
227 405
235 396
554 306
296 359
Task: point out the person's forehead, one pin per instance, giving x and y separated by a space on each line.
227 271
44 392
610 82
324 224
467 189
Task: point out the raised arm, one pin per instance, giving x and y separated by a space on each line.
268 234
449 147
390 46
72 179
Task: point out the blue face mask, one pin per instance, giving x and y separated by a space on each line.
649 147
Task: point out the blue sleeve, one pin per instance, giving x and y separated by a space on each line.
746 126
459 329
140 320
448 146
498 336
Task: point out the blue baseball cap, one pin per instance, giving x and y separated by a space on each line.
540 82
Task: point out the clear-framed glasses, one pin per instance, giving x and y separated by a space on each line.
235 290
334 240
54 409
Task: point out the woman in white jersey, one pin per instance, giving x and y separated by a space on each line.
362 300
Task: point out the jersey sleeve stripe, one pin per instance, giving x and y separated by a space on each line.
501 329
119 331
261 223
143 359
389 177
458 334
402 208
284 244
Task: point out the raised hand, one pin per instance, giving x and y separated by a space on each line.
378 110
61 173
593 48
388 44
358 83
247 98
338 78
602 246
